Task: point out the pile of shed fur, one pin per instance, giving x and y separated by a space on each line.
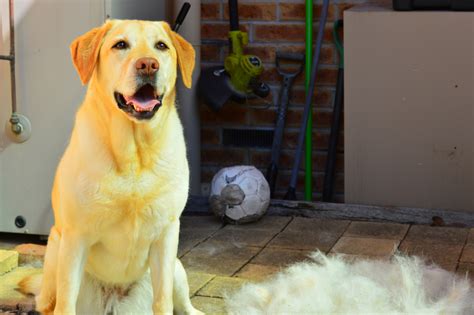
332 285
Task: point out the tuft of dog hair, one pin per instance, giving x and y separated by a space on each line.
334 285
31 284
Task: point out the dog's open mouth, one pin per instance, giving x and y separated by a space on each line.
141 105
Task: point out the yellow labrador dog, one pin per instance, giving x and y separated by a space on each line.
122 183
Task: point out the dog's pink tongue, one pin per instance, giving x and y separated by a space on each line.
141 105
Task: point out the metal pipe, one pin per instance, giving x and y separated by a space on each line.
12 57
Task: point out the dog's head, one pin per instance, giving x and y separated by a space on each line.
134 63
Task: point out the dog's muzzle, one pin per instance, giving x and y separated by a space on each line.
141 105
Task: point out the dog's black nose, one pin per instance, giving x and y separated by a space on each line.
147 66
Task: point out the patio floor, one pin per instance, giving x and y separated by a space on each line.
220 258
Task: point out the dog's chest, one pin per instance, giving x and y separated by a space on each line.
121 253
141 191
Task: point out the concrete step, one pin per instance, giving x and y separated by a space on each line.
8 260
31 254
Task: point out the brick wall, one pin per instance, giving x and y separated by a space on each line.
272 25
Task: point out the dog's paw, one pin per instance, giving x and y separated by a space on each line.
45 305
195 312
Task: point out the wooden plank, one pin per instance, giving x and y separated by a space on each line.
200 205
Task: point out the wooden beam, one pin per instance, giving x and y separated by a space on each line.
324 210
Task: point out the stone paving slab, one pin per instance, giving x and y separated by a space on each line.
8 260
470 237
208 305
279 257
218 258
393 231
444 255
206 222
197 280
429 234
189 238
467 253
255 272
466 270
221 286
243 237
365 246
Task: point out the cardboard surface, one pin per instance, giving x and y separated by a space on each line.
409 108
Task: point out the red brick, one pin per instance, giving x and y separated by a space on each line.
210 53
223 156
322 119
228 114
210 11
261 158
318 182
320 160
265 53
296 12
254 11
342 7
207 173
328 55
321 140
280 32
210 136
262 117
293 117
326 76
290 139
218 30
283 180
270 75
322 98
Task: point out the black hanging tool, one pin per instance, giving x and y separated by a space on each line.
328 185
181 15
288 79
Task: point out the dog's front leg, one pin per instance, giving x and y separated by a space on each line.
71 259
163 254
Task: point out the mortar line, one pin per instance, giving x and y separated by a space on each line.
342 234
203 240
462 251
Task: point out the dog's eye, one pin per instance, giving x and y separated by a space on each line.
161 46
120 45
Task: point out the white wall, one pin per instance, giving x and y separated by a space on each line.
48 93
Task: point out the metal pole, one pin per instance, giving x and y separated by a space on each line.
12 57
20 126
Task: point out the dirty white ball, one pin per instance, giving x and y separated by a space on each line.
239 194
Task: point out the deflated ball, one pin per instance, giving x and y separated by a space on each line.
239 194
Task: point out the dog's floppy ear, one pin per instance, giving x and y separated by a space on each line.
85 51
186 55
